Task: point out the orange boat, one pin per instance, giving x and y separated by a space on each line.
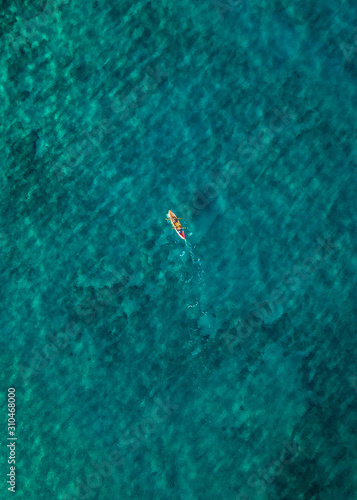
176 224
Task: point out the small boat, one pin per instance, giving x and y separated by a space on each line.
176 224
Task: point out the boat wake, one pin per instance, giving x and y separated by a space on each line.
198 301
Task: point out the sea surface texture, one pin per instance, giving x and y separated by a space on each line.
150 368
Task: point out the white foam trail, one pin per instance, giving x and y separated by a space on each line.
203 321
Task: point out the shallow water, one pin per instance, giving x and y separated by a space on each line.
145 367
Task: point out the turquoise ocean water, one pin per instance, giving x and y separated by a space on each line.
144 367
